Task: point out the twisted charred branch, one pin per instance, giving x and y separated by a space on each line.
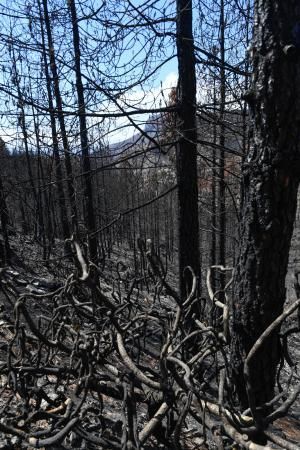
256 347
106 347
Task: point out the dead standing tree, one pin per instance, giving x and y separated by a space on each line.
270 182
186 155
89 214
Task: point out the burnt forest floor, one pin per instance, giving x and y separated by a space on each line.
28 274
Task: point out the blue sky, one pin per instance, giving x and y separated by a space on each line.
136 55
137 47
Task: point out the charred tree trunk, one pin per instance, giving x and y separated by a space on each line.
5 250
58 166
23 126
90 221
188 221
270 176
213 243
41 234
222 184
61 120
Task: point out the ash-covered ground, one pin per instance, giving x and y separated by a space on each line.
28 274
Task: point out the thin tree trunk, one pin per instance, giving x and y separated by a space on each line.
222 185
5 254
186 158
40 212
58 167
60 115
86 167
213 248
23 125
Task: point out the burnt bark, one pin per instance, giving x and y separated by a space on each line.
58 165
222 183
186 157
89 215
61 120
4 218
270 177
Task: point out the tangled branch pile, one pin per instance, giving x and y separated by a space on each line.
128 368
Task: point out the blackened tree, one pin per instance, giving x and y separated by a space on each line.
89 214
4 217
187 147
270 182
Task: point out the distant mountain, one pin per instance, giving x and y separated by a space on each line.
152 127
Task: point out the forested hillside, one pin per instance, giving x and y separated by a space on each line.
149 260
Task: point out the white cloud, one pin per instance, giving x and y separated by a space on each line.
138 99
